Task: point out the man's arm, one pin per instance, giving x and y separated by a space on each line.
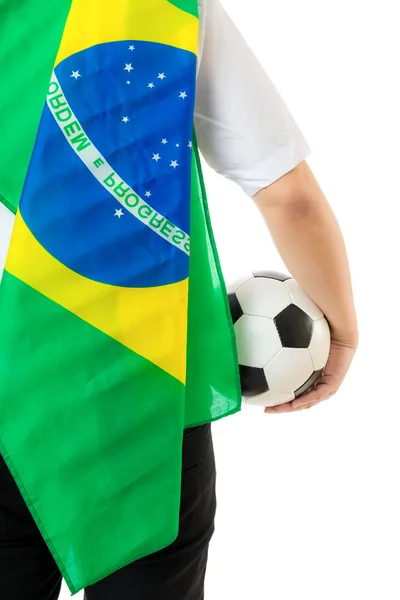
309 240
247 133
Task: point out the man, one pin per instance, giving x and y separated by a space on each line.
247 134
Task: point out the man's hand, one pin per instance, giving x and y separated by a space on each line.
340 358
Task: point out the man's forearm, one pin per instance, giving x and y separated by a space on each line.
309 240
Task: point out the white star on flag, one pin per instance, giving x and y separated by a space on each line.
151 85
156 157
164 141
183 95
119 213
128 68
148 194
125 119
177 145
161 76
190 144
128 82
76 74
131 47
174 163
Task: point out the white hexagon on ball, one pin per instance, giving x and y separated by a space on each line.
263 297
320 344
289 369
257 341
269 399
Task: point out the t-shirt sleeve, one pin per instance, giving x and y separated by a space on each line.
244 129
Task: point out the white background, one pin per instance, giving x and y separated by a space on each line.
308 504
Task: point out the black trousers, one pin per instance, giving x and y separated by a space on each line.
28 571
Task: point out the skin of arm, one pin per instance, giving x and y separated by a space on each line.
307 236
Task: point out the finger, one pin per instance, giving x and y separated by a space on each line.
305 399
289 408
281 408
321 392
308 399
313 397
306 406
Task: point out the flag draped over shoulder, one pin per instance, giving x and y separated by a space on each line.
115 332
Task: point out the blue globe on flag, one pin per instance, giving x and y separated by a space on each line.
111 102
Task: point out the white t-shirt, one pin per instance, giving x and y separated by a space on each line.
244 129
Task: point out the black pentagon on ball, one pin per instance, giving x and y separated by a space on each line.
236 309
308 384
294 327
272 275
253 381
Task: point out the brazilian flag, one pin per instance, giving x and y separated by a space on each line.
115 332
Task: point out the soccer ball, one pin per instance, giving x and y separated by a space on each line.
282 337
